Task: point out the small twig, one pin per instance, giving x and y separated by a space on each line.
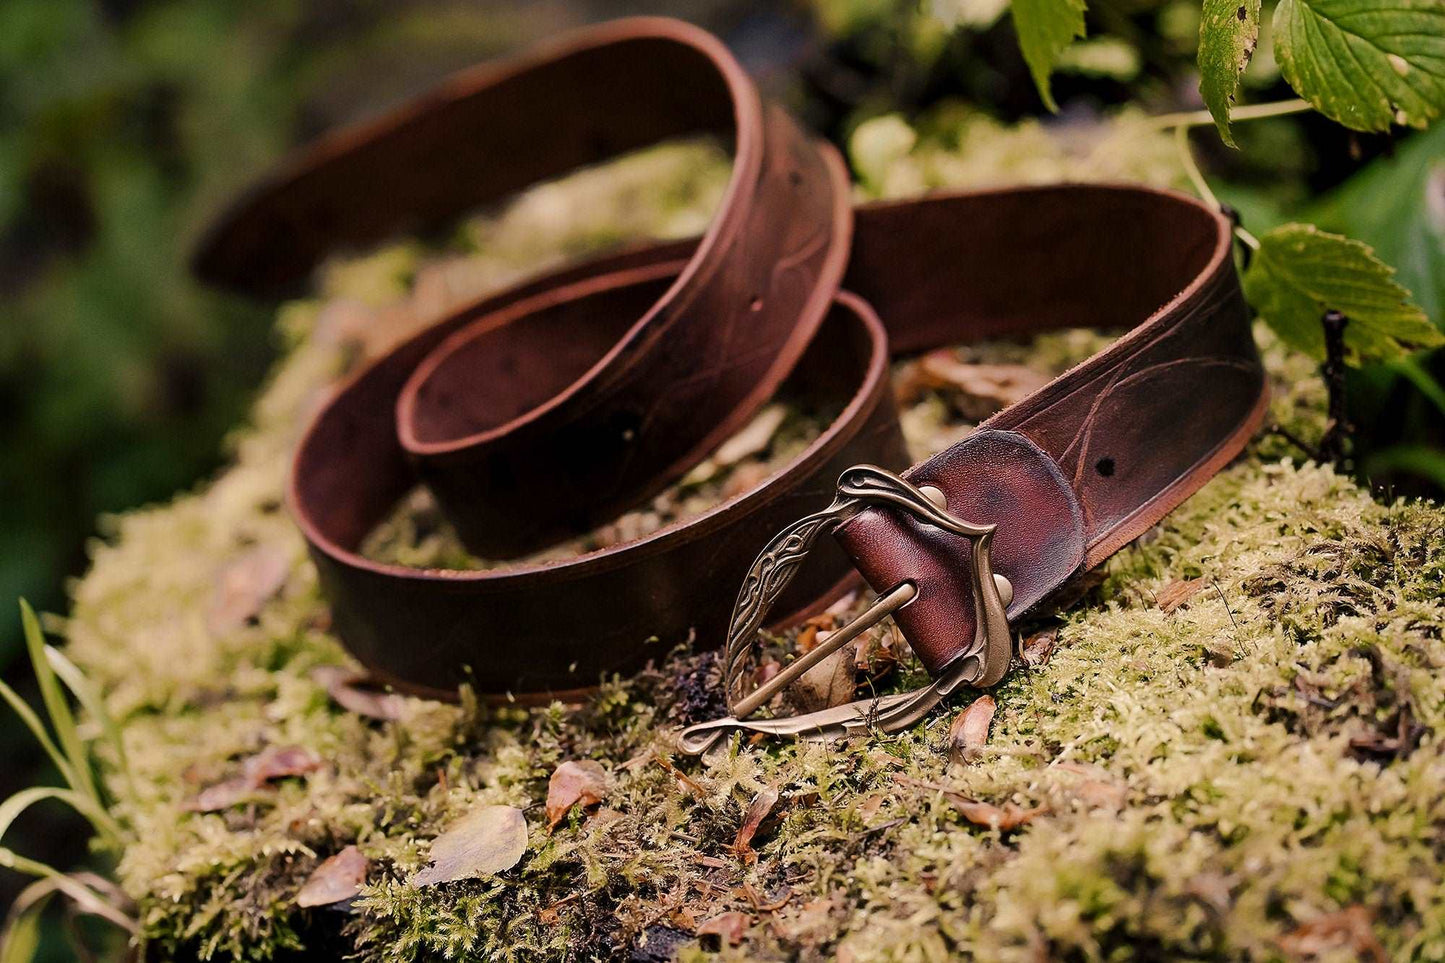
1310 450
1333 446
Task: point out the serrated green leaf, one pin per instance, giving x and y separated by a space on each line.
1299 272
1045 28
1228 32
1396 204
1365 63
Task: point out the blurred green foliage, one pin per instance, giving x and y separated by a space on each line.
123 125
119 376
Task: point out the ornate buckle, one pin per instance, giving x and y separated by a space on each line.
983 663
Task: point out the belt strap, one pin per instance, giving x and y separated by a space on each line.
545 410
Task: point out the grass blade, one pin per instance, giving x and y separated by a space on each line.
20 937
37 729
61 717
103 822
85 898
90 699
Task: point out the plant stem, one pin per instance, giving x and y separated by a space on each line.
1200 118
1186 157
1334 446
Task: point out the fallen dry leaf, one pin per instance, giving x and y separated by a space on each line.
728 927
766 670
484 842
1003 818
969 732
278 762
1038 648
581 783
755 437
223 795
338 878
811 922
829 683
762 804
1351 928
355 691
274 762
1176 593
982 389
244 586
869 807
1094 788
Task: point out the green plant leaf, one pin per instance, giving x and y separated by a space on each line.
20 936
1228 32
61 718
37 729
89 699
1395 205
1299 272
1365 63
1420 460
1045 28
103 822
86 899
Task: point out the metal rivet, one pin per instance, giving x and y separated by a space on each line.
935 494
1005 589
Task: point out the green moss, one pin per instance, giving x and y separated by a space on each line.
1243 738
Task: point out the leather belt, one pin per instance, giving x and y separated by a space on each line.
547 409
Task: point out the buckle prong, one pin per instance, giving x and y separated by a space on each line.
882 607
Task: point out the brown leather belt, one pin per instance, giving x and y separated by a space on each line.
545 410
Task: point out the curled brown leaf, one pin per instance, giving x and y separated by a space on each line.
274 762
338 878
355 691
1038 648
1350 930
758 810
1094 787
278 762
728 927
245 586
829 683
1177 593
969 732
580 783
981 389
1003 818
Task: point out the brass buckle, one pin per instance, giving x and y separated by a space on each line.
983 663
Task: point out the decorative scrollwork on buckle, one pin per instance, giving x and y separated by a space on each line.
983 663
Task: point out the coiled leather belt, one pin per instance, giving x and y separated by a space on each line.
549 408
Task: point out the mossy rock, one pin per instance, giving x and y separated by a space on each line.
1231 752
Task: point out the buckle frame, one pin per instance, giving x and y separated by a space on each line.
983 663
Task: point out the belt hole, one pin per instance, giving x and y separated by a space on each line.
1104 466
756 304
795 178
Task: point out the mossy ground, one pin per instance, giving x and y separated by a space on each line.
1255 774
